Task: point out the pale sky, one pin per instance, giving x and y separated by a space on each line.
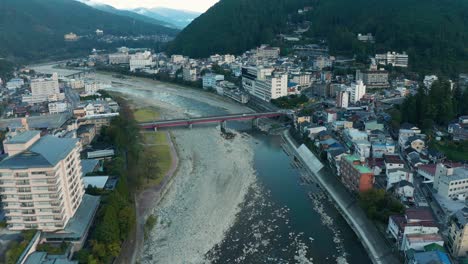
192 5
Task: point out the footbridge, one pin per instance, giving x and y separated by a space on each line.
222 119
82 73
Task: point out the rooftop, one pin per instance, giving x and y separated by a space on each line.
419 214
46 152
23 137
360 168
78 225
420 238
431 257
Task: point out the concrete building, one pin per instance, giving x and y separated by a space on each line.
177 59
373 78
267 52
366 37
303 80
76 83
398 175
321 62
41 183
140 61
42 88
342 99
392 58
210 80
357 91
119 58
272 87
190 74
263 83
58 107
451 182
355 175
457 241
417 220
71 37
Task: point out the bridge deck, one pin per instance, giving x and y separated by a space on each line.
209 119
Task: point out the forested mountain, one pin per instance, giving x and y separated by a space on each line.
127 13
433 32
32 29
232 26
179 18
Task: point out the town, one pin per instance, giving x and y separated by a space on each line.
406 166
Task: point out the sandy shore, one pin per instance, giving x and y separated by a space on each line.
211 181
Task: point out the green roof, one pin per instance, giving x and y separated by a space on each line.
434 247
360 168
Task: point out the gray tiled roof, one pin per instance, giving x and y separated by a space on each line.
46 152
79 224
23 137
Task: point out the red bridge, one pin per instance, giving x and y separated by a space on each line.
206 120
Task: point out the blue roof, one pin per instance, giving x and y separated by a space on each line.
431 257
46 152
88 165
23 137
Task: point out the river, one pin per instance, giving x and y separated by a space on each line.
243 201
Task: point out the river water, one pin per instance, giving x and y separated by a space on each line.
276 221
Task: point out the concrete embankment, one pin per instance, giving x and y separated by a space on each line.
378 249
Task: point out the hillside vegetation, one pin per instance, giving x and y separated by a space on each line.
433 32
32 29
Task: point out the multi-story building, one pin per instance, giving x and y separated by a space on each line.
42 88
392 58
450 182
342 99
304 80
189 74
263 83
355 175
458 233
58 107
177 59
321 62
366 38
70 37
357 91
76 83
271 87
267 52
140 61
429 80
41 183
210 80
119 58
373 78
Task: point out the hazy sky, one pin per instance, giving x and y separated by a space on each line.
193 5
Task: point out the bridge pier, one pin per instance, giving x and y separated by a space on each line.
223 125
190 126
155 129
255 123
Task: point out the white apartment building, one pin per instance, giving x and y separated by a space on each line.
451 182
177 59
304 80
398 175
267 52
119 58
210 80
263 83
229 58
40 183
357 91
141 60
42 88
58 107
392 58
190 74
76 83
342 99
322 62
